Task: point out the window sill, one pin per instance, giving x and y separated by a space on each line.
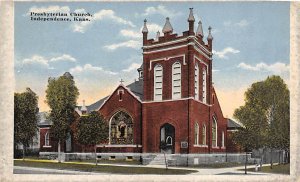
47 146
223 147
215 147
201 146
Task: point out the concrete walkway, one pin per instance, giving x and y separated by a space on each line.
201 171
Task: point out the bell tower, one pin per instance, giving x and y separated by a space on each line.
177 66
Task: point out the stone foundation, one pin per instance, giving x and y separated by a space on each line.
146 158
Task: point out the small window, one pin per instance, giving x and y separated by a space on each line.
120 93
129 158
223 139
47 139
204 85
176 80
196 81
214 132
204 135
169 140
112 158
158 82
196 134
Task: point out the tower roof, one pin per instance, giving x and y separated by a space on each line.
83 108
199 29
168 27
209 37
157 35
145 29
191 15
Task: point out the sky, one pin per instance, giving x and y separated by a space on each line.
251 42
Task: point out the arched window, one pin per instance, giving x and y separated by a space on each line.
169 140
204 134
47 139
196 81
158 82
204 85
214 132
176 80
196 134
223 139
121 129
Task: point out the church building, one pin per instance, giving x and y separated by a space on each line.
173 102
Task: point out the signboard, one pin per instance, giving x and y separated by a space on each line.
184 145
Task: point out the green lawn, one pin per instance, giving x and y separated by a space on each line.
103 168
277 169
105 161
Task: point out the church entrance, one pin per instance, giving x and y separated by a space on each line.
167 138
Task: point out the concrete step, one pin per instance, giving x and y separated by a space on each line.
160 159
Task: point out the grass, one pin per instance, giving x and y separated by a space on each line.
105 161
277 169
102 168
219 165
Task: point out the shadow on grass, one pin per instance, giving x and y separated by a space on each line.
103 168
277 169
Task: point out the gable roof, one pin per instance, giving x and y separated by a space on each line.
135 88
43 120
233 124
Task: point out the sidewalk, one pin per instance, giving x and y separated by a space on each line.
201 171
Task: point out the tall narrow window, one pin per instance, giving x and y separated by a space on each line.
204 86
47 139
204 135
196 81
196 134
214 132
158 82
223 139
176 80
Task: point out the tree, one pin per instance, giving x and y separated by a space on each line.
25 118
61 96
92 129
265 116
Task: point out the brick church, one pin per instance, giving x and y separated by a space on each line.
173 101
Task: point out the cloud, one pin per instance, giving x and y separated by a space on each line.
64 57
105 14
137 34
131 33
40 60
36 59
90 68
222 54
161 10
133 66
276 68
129 44
242 23
49 9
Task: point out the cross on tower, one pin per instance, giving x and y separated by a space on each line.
121 81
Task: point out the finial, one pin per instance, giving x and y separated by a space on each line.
121 81
191 16
145 29
83 108
168 27
209 37
200 29
157 35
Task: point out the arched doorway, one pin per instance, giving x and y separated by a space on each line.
167 136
